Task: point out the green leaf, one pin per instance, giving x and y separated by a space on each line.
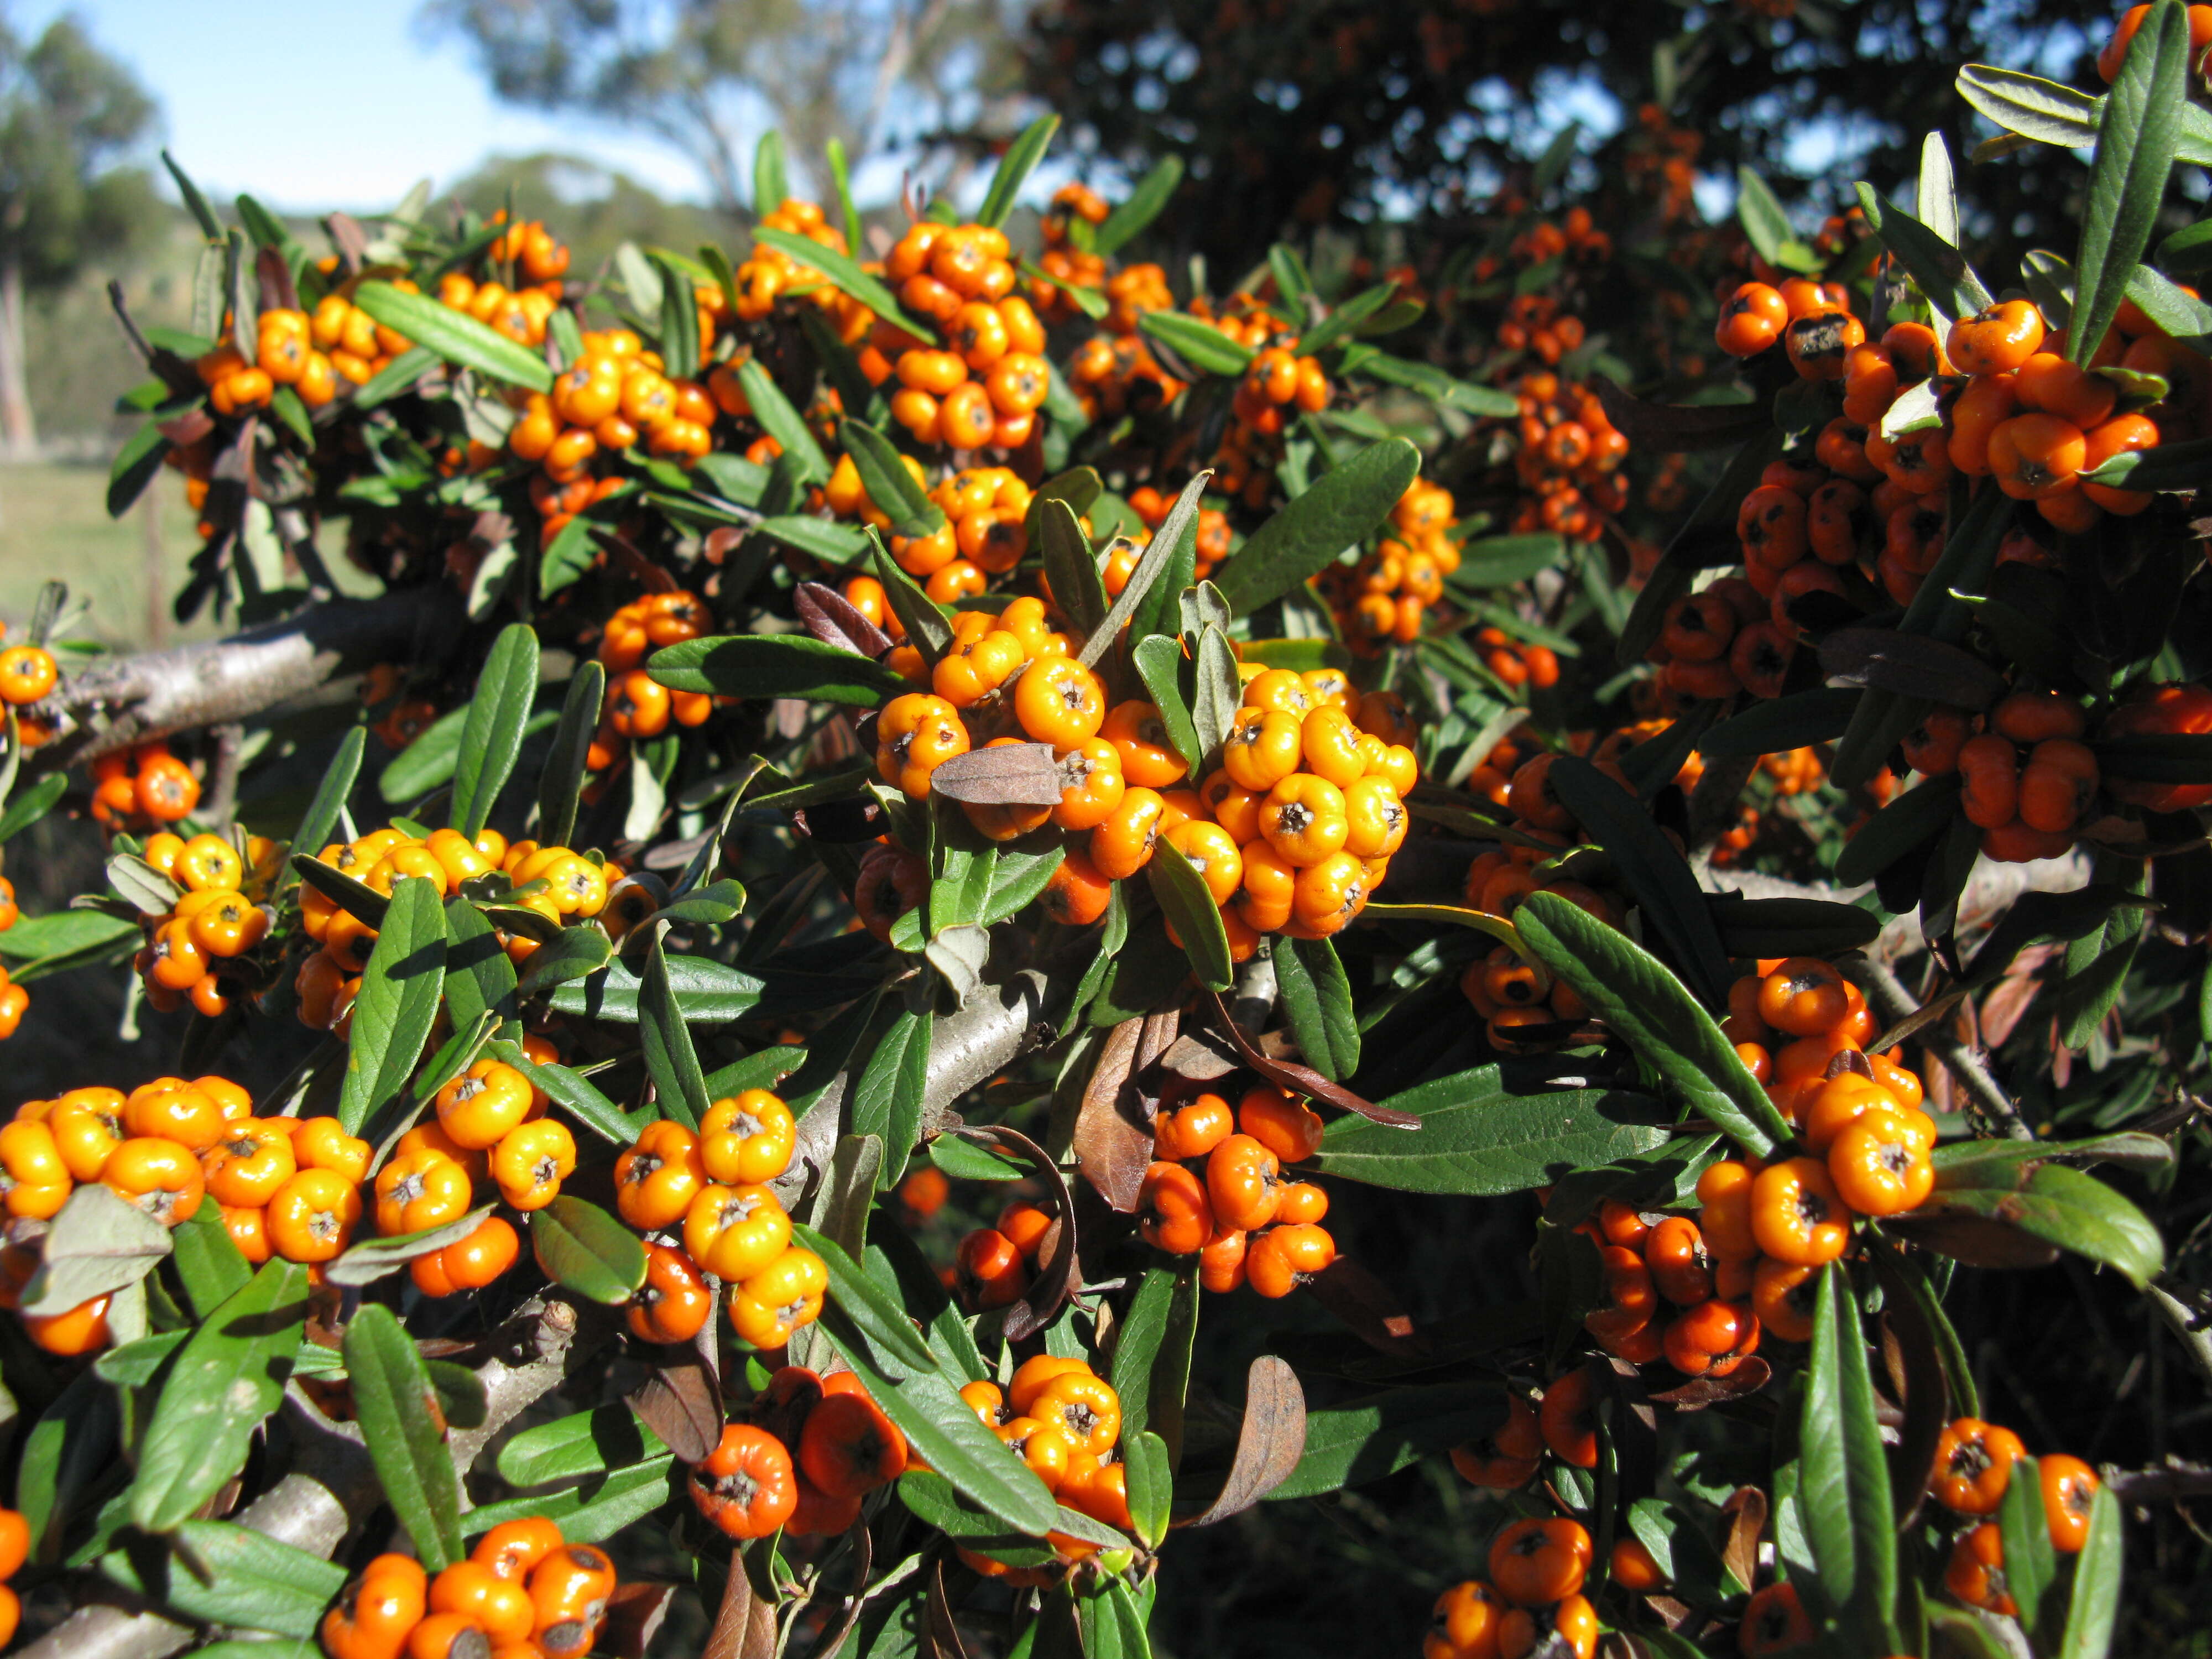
588 1513
96 1243
846 274
228 1377
2045 110
2030 1562
202 211
875 1314
1797 721
454 335
1485 1133
1647 865
392 1400
1316 995
137 463
884 475
1151 1484
831 542
32 804
225 1574
945 1433
63 932
2137 133
1014 168
67 1453
1153 192
2097 1573
1843 1476
1197 343
1191 912
395 378
1651 1010
1167 544
1940 270
1302 540
1158 660
560 785
371 1259
1364 1440
208 1262
2063 1207
679 320
1444 391
771 187
1069 568
782 423
491 736
398 1001
774 665
426 762
706 992
1789 927
574 1091
320 821
889 1098
1345 318
582 1247
679 1086
1160 612
1767 226
582 1443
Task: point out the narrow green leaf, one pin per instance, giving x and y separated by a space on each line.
320 820
774 665
491 736
582 1443
1158 660
678 1084
2030 1563
889 1098
1071 569
771 187
583 1247
1940 270
1655 1015
1157 556
208 1262
588 1513
1191 913
2136 133
1307 535
1364 1440
1316 995
2097 1571
1441 389
707 992
1844 1476
224 1574
136 464
202 211
1153 192
560 785
1014 168
28 807
884 475
392 1397
781 422
228 1378
96 1243
2045 110
875 1315
845 273
398 1003
454 335
1197 343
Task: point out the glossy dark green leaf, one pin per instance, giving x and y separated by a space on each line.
571 954
1020 159
830 542
1163 551
1706 537
1363 1440
781 422
944 1432
1767 225
2045 110
454 335
1940 270
1777 724
372 1258
66 1455
1191 912
1159 661
1651 1010
2030 1562
426 763
398 1003
26 807
846 273
2136 133
680 321
582 1443
679 1085
396 378
876 1316
491 736
706 992
1844 1476
583 1247
1197 343
1483 1135
573 1091
1789 927
228 1378
480 978
1342 508
1340 323
320 820
892 1090
963 1160
1160 612
1069 568
2097 1571
774 665
893 489
1152 193
210 1264
1150 1484
348 894
1686 1555
1316 997
2064 1208
225 1574
927 631
1910 820
392 1400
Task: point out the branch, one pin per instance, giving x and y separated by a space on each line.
334 1485
1892 1001
126 701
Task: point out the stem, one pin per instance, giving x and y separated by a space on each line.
1893 1002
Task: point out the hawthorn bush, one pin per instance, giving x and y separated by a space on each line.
958 922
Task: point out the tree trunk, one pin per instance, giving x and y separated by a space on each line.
19 432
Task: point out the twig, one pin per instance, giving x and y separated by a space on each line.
1893 1002
222 774
2151 1486
2189 1328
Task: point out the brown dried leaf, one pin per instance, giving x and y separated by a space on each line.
939 1628
1977 1241
1057 1275
745 1628
1303 1080
679 1402
1368 1308
351 241
275 276
835 620
1700 1392
1746 1511
1200 1056
188 428
1113 1142
1910 664
636 1613
1001 775
1269 1442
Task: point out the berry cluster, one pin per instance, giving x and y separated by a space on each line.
523 1593
1533 1599
809 1450
1244 1222
985 386
222 909
1064 1422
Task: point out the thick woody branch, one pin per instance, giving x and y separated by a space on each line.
332 1487
131 700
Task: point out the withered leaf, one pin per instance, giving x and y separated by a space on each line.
835 620
1303 1080
1001 775
1113 1142
1269 1442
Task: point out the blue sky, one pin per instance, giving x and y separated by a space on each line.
329 106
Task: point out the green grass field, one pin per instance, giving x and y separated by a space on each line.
54 525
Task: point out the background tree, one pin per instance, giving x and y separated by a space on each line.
1302 112
69 115
707 76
